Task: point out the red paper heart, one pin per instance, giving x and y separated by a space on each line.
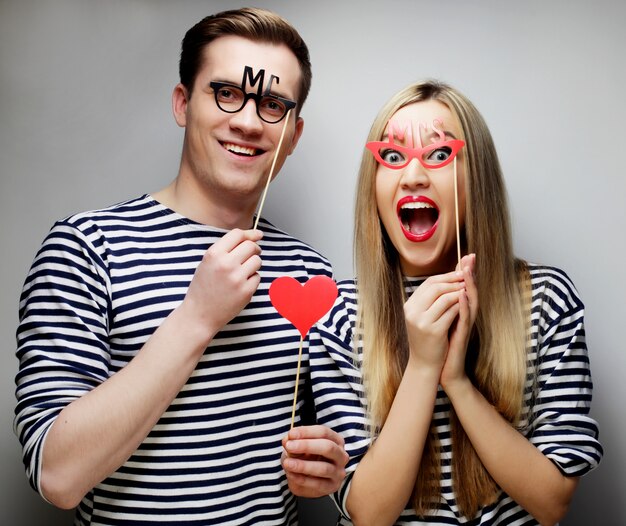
303 305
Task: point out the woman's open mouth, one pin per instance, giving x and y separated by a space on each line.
418 217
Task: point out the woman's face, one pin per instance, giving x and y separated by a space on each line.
416 202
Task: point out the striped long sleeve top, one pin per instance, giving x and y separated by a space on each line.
100 285
555 417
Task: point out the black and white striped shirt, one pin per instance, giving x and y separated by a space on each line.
100 285
557 422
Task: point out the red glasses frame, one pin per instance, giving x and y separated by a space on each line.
409 153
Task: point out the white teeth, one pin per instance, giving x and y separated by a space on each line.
239 149
417 204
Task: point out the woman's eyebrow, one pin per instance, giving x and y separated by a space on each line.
430 135
433 134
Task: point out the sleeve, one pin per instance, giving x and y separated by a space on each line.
337 387
560 425
61 338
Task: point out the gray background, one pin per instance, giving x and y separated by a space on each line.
85 122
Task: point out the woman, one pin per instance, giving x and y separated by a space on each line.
474 370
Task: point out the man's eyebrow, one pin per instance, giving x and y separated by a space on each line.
272 93
224 81
277 92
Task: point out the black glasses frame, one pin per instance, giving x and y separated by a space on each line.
257 97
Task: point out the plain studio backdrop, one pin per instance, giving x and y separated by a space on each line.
86 122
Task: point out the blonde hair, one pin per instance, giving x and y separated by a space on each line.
497 351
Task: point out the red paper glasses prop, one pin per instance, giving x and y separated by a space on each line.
302 305
439 153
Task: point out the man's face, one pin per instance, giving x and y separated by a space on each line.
228 156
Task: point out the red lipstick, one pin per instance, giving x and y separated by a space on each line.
406 208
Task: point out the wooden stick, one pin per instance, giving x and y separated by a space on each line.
456 212
269 177
295 393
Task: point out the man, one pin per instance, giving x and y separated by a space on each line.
156 380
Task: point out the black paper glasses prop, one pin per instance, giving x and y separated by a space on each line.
231 99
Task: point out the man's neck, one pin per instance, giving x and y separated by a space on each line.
198 204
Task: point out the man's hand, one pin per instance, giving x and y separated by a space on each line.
314 461
224 281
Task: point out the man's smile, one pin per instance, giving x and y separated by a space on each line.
238 149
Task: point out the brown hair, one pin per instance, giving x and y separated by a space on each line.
254 24
497 350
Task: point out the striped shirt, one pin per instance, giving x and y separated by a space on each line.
558 377
101 284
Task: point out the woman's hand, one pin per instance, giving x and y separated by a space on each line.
430 313
454 367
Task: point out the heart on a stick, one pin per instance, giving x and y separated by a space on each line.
303 305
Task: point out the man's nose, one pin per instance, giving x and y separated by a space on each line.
247 119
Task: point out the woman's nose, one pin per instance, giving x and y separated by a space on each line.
414 175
